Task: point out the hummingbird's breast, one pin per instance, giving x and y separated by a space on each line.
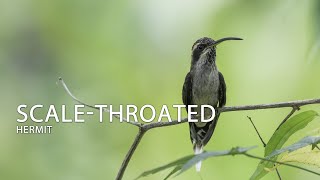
205 84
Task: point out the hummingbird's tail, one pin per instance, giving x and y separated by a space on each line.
198 149
200 134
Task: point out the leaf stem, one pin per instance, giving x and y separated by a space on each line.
130 153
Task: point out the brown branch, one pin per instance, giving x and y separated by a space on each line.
163 124
91 106
264 144
255 128
130 153
143 128
292 104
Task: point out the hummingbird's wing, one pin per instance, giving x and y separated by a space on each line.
222 91
187 100
209 128
187 91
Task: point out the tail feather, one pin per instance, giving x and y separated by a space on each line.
198 150
200 134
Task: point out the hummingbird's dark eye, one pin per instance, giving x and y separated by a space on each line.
201 47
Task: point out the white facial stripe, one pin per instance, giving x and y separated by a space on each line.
195 46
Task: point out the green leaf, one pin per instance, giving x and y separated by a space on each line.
178 162
186 162
291 126
281 136
306 141
206 155
176 169
303 155
302 151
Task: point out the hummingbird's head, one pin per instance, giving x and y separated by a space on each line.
206 48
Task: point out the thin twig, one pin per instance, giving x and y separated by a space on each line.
91 106
278 173
294 109
163 124
262 141
286 164
297 103
130 153
145 127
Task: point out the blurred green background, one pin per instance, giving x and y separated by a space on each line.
138 52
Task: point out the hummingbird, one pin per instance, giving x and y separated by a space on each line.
204 85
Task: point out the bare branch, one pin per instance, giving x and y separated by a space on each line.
163 124
143 128
296 104
255 128
130 153
264 144
91 106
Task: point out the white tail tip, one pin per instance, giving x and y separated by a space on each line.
198 166
198 150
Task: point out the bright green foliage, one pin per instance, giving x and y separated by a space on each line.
279 137
309 140
183 164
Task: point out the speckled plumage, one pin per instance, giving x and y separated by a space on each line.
204 84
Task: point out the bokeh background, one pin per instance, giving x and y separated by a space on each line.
138 52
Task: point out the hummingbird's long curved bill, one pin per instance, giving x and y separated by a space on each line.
224 39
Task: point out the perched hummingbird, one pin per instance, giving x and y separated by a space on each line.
204 85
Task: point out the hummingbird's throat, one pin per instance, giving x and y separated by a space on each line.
210 55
